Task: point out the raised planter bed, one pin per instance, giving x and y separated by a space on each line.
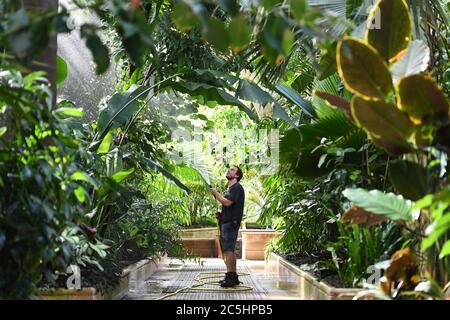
204 242
209 233
307 286
202 247
254 242
131 276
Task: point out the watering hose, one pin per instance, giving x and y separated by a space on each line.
203 278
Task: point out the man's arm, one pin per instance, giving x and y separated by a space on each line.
226 202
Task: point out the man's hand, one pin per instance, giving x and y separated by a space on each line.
214 192
218 215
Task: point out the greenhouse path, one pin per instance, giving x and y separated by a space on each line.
175 275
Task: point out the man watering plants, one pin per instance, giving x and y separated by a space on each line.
229 221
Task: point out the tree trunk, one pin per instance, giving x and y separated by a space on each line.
48 58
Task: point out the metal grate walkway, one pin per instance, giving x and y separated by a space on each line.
176 275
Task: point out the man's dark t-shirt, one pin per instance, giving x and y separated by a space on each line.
236 194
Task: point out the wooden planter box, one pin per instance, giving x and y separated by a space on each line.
209 233
204 242
254 242
131 277
202 247
307 286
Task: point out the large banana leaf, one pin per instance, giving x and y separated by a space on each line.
120 108
209 95
149 164
296 99
250 91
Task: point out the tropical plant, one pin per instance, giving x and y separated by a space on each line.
406 116
37 157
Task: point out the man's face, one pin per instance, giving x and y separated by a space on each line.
232 173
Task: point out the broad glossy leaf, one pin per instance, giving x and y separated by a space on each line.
213 77
357 215
215 32
250 91
120 108
392 206
183 16
106 143
149 164
61 71
445 250
275 38
3 131
436 230
409 179
239 32
296 149
292 96
389 27
415 60
209 93
119 176
83 176
421 97
403 267
80 193
327 64
363 71
386 125
335 101
99 51
71 112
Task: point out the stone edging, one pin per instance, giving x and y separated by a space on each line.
308 286
131 275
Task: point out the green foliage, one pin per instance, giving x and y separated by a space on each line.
360 248
61 71
393 33
37 163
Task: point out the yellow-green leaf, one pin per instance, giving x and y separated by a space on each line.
363 70
421 97
106 143
387 126
80 193
389 27
3 131
119 176
71 112
445 250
